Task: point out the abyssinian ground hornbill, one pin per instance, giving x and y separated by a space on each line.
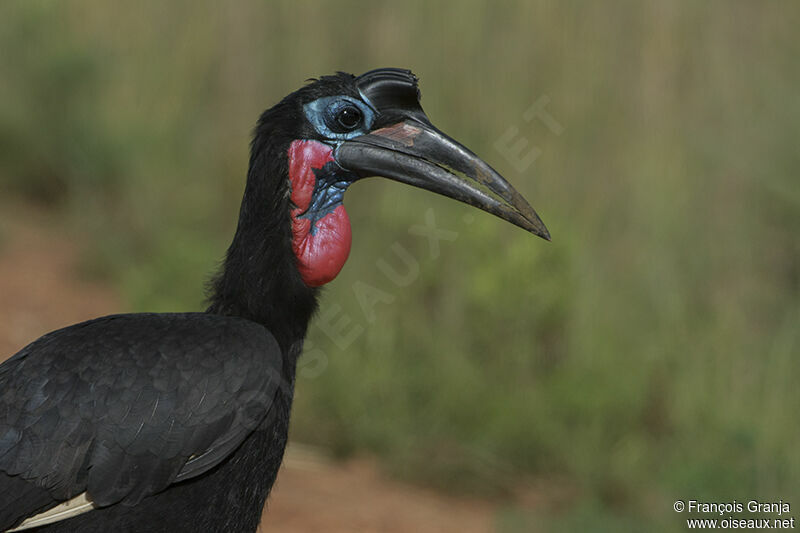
178 422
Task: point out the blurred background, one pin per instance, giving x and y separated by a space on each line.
648 354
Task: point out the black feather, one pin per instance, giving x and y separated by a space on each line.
173 422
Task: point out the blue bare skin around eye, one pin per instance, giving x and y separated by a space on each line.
317 110
329 186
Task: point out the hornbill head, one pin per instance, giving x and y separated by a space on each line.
373 125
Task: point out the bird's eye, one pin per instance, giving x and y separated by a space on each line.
339 117
349 117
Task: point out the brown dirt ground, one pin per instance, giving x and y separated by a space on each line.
40 291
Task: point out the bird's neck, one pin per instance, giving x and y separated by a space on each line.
259 279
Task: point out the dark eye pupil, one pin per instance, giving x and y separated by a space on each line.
349 117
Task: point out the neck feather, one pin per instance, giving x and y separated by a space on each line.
259 279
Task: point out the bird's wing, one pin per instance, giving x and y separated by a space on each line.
123 406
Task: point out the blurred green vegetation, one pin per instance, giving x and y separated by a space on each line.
649 353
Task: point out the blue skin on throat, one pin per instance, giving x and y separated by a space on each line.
329 186
332 180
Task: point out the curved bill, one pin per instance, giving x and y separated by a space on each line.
418 154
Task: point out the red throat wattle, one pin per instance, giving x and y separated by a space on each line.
321 252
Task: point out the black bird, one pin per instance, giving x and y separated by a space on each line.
178 422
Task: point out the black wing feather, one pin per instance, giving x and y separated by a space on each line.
124 405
